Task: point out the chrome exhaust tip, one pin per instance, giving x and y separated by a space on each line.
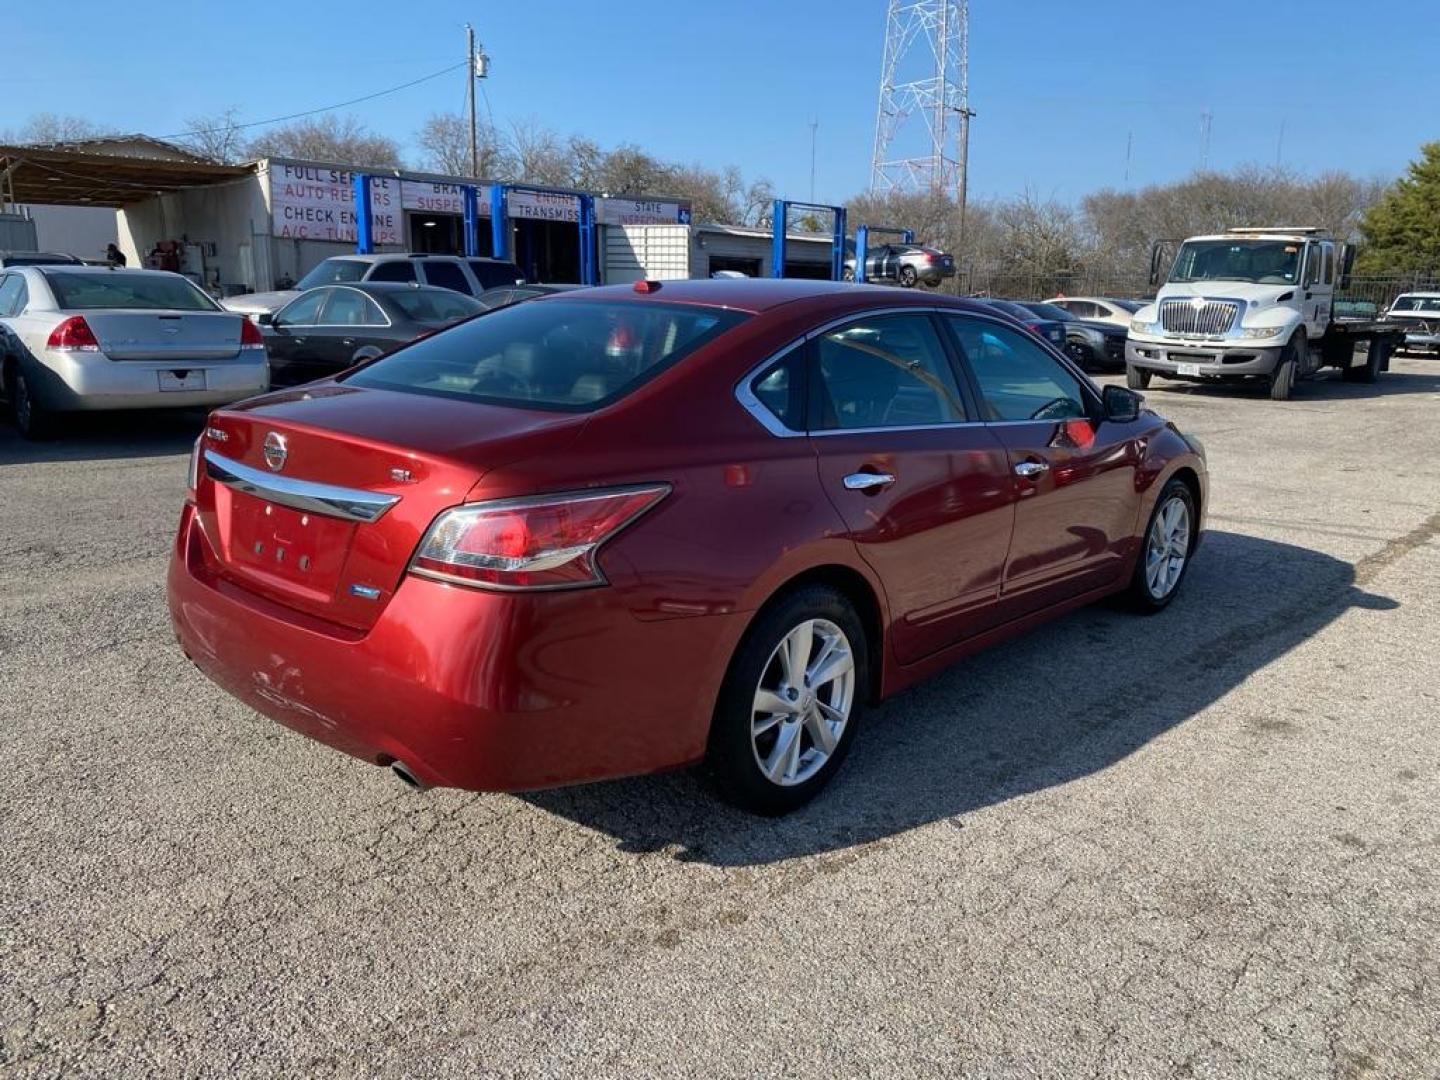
407 778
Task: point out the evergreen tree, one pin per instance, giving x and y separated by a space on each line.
1402 230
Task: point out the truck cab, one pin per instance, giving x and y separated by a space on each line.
1252 303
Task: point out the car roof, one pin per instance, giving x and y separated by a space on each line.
397 256
385 287
750 294
1421 295
103 270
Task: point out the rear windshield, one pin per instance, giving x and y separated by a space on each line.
333 270
1050 311
40 260
561 354
435 305
167 292
1416 303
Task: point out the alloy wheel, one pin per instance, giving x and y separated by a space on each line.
803 702
1167 547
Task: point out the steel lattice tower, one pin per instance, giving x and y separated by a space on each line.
924 99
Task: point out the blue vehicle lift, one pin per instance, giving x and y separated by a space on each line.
779 219
500 225
499 222
862 243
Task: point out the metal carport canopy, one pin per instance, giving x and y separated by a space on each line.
61 176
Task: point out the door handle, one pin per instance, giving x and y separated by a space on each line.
867 481
1031 469
347 341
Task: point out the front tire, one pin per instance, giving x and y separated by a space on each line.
1137 378
1282 379
1164 550
788 709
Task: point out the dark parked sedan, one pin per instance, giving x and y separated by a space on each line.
1051 330
1095 345
630 529
505 295
326 330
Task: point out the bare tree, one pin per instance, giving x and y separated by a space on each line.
445 139
220 137
341 139
539 156
44 128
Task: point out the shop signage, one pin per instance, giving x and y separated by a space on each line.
542 206
309 203
436 198
614 211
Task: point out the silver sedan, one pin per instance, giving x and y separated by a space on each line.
85 337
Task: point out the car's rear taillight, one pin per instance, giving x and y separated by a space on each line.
547 542
193 481
73 335
250 335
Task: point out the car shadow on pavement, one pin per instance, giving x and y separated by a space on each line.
1328 387
106 435
1056 705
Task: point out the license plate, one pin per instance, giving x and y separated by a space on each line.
304 551
183 379
1188 369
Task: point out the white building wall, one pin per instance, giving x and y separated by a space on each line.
75 230
636 252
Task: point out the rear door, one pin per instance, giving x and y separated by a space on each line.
1073 476
923 488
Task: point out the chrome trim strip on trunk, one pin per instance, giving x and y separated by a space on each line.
349 504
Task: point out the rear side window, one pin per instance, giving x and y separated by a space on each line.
10 294
435 305
565 355
491 274
780 389
447 275
117 289
393 271
884 371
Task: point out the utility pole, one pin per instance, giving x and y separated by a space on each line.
1280 143
470 77
1129 142
813 125
1205 119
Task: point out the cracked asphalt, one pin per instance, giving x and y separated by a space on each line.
1202 844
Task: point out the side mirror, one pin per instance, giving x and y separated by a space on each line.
1120 404
265 318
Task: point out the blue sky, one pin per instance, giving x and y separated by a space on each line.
1057 85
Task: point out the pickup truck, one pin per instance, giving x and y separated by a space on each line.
1254 304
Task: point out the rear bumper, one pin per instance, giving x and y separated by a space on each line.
470 689
70 382
1214 360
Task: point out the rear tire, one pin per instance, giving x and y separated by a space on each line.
1137 378
34 422
1165 548
908 276
772 760
1367 372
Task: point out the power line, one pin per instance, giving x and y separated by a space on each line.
322 109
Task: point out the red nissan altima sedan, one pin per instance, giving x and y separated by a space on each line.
629 529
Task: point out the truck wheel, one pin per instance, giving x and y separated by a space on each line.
1282 379
1369 371
1137 378
908 277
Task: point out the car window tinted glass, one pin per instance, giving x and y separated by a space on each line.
1131 306
778 389
9 294
1018 379
393 271
1059 314
557 354
491 274
1416 303
332 270
447 275
350 308
116 289
886 371
1329 264
435 305
303 311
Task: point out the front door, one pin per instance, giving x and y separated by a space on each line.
924 490
288 343
1074 475
1319 287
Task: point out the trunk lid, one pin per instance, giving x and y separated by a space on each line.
166 335
402 458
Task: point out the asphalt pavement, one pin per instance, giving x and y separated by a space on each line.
1199 844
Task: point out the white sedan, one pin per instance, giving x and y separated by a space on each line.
85 337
